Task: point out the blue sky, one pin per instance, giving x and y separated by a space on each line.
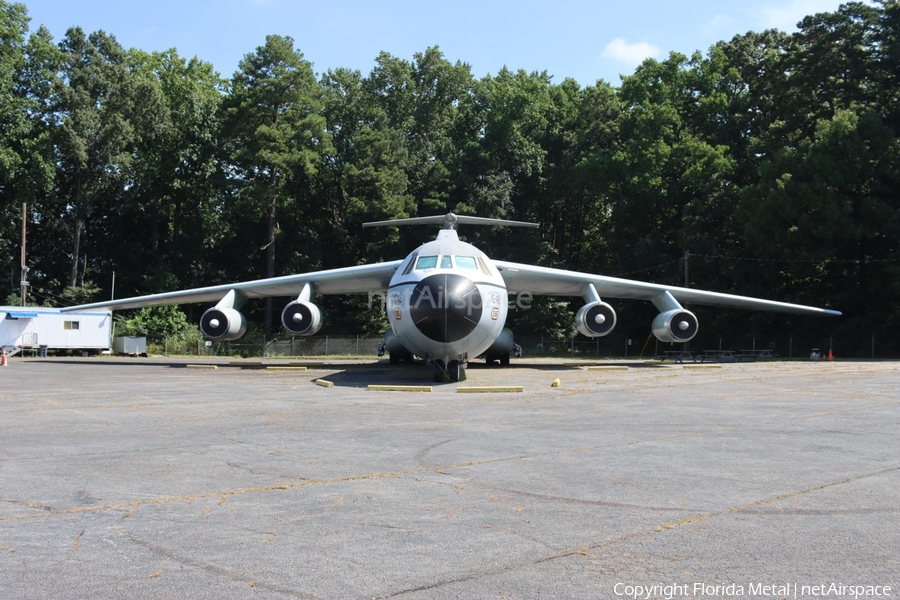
582 39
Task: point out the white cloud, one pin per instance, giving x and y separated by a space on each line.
631 54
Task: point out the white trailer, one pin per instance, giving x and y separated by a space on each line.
40 329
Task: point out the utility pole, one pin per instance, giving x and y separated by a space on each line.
687 282
24 281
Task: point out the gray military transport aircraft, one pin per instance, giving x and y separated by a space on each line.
447 301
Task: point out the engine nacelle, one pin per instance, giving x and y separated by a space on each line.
504 344
301 318
595 319
223 324
502 347
676 325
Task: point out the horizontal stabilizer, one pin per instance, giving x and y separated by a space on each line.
450 221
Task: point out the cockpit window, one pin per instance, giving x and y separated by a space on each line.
409 266
445 262
426 262
483 266
466 262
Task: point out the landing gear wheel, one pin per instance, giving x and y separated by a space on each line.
454 371
504 360
399 357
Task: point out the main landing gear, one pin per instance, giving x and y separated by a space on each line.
502 358
397 357
453 371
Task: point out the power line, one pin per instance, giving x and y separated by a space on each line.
45 295
796 260
665 264
779 260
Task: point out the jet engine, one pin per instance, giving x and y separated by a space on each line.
595 319
677 325
223 324
301 318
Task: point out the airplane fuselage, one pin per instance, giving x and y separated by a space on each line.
447 302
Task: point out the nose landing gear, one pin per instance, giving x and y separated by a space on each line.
452 370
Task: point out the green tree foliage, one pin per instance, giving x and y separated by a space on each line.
830 202
79 294
275 134
168 211
673 189
156 321
94 135
772 158
364 179
27 69
28 72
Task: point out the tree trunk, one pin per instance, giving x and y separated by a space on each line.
154 225
270 245
73 278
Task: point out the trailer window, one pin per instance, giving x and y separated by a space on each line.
70 325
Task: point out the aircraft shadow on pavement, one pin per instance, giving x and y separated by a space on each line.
356 375
384 373
380 373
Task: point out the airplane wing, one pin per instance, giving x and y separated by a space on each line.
544 281
349 280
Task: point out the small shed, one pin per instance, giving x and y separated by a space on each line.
130 345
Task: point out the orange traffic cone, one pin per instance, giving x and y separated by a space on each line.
3 362
830 355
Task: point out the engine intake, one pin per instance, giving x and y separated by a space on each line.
301 318
223 324
595 319
676 325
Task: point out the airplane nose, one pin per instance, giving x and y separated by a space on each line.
445 307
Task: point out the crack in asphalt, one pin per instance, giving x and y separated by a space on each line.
584 551
191 562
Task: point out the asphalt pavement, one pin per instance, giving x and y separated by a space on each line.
150 478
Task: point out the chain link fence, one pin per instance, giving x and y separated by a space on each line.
363 346
872 346
616 345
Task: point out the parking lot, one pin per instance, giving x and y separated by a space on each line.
143 478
